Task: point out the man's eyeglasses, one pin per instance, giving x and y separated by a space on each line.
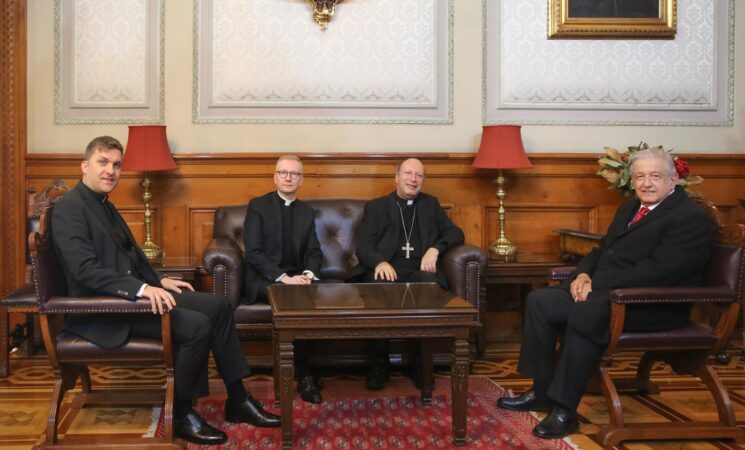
287 173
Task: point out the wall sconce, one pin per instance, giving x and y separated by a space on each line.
323 11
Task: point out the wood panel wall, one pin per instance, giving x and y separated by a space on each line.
561 190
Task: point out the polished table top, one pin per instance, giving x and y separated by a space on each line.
370 297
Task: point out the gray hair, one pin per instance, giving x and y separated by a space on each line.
656 152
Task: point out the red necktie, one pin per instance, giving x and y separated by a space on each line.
643 211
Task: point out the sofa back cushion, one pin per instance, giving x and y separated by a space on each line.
336 225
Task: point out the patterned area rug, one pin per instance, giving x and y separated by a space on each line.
352 418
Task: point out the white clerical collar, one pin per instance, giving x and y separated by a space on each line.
287 201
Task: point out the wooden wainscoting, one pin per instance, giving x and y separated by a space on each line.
562 190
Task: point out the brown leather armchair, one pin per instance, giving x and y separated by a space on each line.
70 355
686 349
336 223
23 299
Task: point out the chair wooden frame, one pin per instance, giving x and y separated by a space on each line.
688 350
70 355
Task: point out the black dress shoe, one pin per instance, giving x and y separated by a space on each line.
529 401
377 377
309 389
193 428
249 411
561 422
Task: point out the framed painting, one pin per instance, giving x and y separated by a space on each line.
612 19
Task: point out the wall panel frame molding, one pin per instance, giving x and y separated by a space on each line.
529 79
102 76
267 61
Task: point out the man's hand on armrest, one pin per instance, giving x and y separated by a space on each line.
159 297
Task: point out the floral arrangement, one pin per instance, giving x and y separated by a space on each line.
615 168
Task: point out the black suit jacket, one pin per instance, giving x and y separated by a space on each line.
96 262
669 247
262 235
379 231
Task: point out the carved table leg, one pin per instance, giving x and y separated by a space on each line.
275 367
459 377
286 393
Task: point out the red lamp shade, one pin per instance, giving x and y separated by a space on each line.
501 148
147 149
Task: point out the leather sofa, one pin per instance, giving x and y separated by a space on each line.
336 223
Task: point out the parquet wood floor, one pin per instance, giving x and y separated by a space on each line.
25 393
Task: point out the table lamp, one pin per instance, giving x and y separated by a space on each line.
501 148
148 151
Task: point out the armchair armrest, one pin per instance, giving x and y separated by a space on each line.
223 260
21 299
698 294
462 267
561 273
86 305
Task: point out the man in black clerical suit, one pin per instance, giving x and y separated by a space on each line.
660 238
399 239
282 247
99 256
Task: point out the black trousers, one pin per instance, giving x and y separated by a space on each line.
548 313
200 322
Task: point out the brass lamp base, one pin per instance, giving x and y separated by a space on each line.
503 251
153 253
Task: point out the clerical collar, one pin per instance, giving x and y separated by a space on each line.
405 201
101 198
287 202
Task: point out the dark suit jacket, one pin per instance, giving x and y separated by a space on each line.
379 231
668 247
262 234
96 262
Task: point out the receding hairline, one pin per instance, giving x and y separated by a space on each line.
398 167
102 143
667 159
289 158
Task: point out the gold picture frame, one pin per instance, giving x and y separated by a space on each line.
612 19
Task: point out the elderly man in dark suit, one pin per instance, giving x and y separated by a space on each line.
660 238
100 257
282 247
399 240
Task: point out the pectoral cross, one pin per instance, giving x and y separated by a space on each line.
407 248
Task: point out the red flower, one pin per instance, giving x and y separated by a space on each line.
682 167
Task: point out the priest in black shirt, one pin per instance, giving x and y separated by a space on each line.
282 247
400 239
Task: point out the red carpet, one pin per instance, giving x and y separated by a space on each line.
352 418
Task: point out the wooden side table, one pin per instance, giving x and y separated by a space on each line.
528 270
182 267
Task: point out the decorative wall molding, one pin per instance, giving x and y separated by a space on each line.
529 79
108 61
266 61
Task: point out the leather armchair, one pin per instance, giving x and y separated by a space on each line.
686 349
70 355
336 223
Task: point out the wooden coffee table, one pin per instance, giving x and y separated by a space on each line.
370 311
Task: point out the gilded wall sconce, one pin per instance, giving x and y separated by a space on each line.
323 11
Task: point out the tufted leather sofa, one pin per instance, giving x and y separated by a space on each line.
336 222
